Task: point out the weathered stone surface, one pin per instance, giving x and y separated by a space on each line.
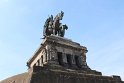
60 51
56 76
20 78
60 60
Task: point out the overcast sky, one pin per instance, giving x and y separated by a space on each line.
96 24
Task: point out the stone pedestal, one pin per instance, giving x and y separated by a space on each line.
60 53
60 60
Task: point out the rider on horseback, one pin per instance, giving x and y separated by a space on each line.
47 25
54 26
56 23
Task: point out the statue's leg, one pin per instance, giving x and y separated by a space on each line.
53 31
56 32
63 33
48 32
44 31
59 32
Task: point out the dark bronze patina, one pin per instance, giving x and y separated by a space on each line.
54 27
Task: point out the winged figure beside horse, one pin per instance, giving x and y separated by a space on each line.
53 26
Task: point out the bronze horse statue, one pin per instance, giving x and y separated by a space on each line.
54 26
62 30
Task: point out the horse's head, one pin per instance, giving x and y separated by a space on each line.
65 26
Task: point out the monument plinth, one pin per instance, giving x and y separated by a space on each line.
58 52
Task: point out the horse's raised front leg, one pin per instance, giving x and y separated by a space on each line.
54 31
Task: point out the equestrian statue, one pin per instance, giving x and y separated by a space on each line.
54 27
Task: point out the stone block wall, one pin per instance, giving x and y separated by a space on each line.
68 77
